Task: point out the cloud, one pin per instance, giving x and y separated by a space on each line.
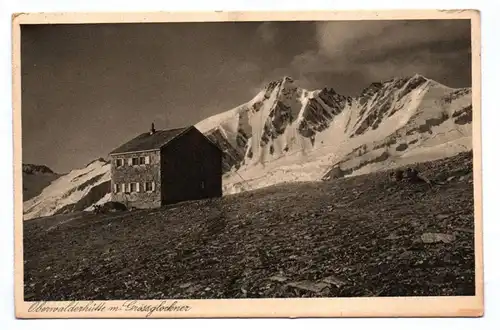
384 49
267 32
365 38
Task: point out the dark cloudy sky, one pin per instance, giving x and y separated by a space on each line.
88 88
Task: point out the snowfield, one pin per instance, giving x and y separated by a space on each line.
295 135
67 190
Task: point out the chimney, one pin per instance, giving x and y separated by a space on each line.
152 131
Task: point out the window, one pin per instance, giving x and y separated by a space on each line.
202 184
118 188
143 160
134 187
149 186
119 162
135 161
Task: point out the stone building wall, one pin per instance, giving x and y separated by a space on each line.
140 174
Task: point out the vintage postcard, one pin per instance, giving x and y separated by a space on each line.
247 164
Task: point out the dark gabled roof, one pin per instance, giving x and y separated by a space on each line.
147 141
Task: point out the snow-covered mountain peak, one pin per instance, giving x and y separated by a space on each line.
284 118
286 124
35 179
282 81
76 190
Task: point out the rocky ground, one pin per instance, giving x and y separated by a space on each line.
351 237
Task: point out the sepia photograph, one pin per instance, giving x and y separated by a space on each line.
247 160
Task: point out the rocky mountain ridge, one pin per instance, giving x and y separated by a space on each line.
285 126
36 178
36 169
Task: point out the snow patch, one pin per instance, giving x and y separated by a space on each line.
66 190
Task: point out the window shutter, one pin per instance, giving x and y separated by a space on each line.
144 187
138 187
147 160
123 187
114 188
153 186
130 161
